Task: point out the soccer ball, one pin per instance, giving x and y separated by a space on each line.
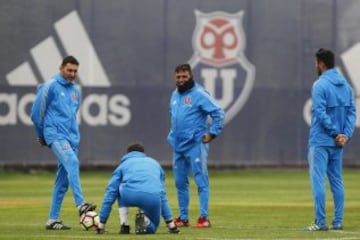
89 220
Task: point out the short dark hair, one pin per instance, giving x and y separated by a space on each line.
69 59
326 56
184 67
136 146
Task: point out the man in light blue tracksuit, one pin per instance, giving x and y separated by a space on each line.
139 181
332 125
190 135
54 116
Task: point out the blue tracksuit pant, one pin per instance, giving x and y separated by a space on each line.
194 159
326 161
148 202
67 174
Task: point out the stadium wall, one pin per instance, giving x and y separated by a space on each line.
255 57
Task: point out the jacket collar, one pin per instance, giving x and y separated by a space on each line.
58 77
133 154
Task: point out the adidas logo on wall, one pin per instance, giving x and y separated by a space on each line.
47 57
112 109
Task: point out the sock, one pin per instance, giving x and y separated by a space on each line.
50 221
147 220
79 206
101 225
170 224
124 216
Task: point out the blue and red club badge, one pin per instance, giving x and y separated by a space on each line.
74 96
187 100
219 61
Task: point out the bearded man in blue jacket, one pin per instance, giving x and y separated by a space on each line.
54 116
332 125
190 135
139 181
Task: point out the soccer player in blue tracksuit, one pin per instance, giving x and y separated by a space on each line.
332 125
190 134
54 116
139 181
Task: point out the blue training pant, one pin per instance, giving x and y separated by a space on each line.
67 174
194 159
150 203
326 161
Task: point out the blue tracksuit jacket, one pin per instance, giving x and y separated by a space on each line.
136 173
189 114
332 99
60 100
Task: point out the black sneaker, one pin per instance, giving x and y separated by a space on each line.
124 229
174 230
57 225
86 207
140 224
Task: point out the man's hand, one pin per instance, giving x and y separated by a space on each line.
207 138
341 140
41 141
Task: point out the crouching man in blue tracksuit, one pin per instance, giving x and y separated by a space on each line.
137 182
54 116
332 125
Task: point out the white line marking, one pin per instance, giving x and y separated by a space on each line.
23 75
47 58
76 42
351 59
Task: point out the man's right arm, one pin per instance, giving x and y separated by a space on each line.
165 207
38 111
111 194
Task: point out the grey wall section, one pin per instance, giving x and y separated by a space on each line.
140 42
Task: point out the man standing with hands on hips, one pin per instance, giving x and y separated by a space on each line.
190 135
332 125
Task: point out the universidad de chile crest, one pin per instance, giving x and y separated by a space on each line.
219 61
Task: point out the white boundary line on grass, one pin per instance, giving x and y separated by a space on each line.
345 238
344 232
225 238
337 238
95 236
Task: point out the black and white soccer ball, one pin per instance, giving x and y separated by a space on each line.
89 220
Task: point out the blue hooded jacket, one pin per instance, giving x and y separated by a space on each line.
136 173
189 113
54 111
333 109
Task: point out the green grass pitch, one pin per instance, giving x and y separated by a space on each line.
244 204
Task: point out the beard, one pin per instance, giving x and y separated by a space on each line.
319 72
185 86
